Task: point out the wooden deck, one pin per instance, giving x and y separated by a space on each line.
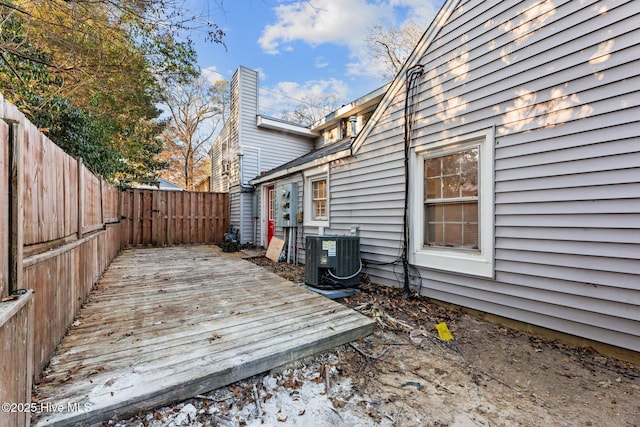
166 324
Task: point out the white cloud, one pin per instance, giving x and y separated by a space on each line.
320 21
418 10
343 23
321 62
211 74
285 97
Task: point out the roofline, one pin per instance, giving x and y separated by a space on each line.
352 107
427 38
298 168
283 126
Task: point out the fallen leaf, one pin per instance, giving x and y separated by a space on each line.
337 403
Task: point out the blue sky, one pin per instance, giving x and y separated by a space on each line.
302 48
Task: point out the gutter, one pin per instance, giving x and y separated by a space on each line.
244 188
299 168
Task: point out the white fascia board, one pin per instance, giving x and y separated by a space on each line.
312 164
273 124
352 108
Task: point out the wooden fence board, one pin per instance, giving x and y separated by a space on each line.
30 201
50 190
16 347
62 279
4 208
92 215
70 196
161 218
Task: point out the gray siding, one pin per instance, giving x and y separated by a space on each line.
277 147
262 150
560 83
219 181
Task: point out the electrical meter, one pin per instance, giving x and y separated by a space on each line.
286 204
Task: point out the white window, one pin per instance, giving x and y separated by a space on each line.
316 197
319 199
452 193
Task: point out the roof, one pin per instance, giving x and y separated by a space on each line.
159 184
351 108
284 126
321 155
331 151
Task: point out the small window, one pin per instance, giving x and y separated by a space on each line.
333 134
317 197
272 204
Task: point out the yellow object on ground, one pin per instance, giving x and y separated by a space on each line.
443 332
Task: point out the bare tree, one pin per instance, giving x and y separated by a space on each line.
392 46
311 109
197 111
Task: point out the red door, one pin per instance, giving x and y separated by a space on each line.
271 213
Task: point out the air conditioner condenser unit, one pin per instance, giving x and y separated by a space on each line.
332 261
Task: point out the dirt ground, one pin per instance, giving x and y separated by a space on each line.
405 375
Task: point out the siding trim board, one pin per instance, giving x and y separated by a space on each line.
553 177
595 277
617 125
572 234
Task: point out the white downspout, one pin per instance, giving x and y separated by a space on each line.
244 188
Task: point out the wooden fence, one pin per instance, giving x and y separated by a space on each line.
59 230
159 218
60 227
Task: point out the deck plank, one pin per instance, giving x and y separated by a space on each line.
163 325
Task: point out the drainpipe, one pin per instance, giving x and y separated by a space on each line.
244 188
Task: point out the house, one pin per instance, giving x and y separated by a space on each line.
204 185
307 175
500 171
159 184
248 144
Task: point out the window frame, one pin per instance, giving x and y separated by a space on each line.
310 177
476 262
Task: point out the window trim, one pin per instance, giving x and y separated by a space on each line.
310 176
457 260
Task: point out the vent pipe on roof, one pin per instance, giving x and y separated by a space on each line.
353 120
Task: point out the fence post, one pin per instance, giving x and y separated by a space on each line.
16 215
102 202
80 196
155 218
